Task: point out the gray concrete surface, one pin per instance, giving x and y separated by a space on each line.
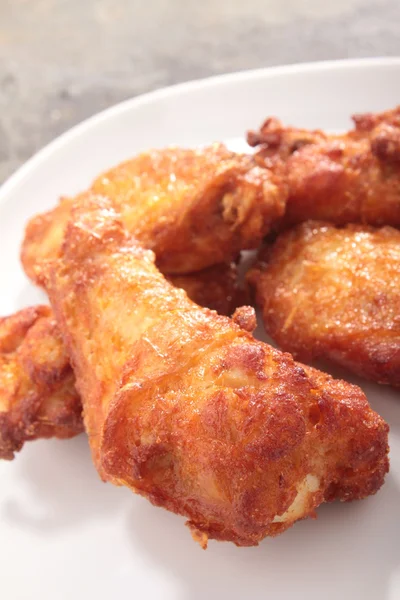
64 60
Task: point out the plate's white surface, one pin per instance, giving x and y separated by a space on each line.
63 533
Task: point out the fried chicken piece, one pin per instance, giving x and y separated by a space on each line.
38 398
194 208
348 178
189 410
37 392
334 293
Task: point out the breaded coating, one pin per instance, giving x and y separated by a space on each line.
37 392
348 178
194 208
189 410
334 293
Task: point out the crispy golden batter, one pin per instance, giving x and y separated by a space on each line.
188 409
37 392
334 293
194 208
349 178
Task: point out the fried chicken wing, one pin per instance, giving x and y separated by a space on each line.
334 293
188 409
37 394
348 178
194 208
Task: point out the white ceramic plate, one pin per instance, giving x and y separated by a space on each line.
63 533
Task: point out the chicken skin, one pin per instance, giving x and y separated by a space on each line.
37 385
38 398
334 293
194 208
186 408
349 178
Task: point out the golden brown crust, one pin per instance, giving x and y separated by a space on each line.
194 208
245 317
334 293
37 394
188 409
348 178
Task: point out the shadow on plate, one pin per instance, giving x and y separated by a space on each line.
353 546
57 487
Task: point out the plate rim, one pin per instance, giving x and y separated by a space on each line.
214 80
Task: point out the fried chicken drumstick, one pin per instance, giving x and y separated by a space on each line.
188 409
348 178
38 398
194 208
334 293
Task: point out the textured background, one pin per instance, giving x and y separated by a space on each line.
63 60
